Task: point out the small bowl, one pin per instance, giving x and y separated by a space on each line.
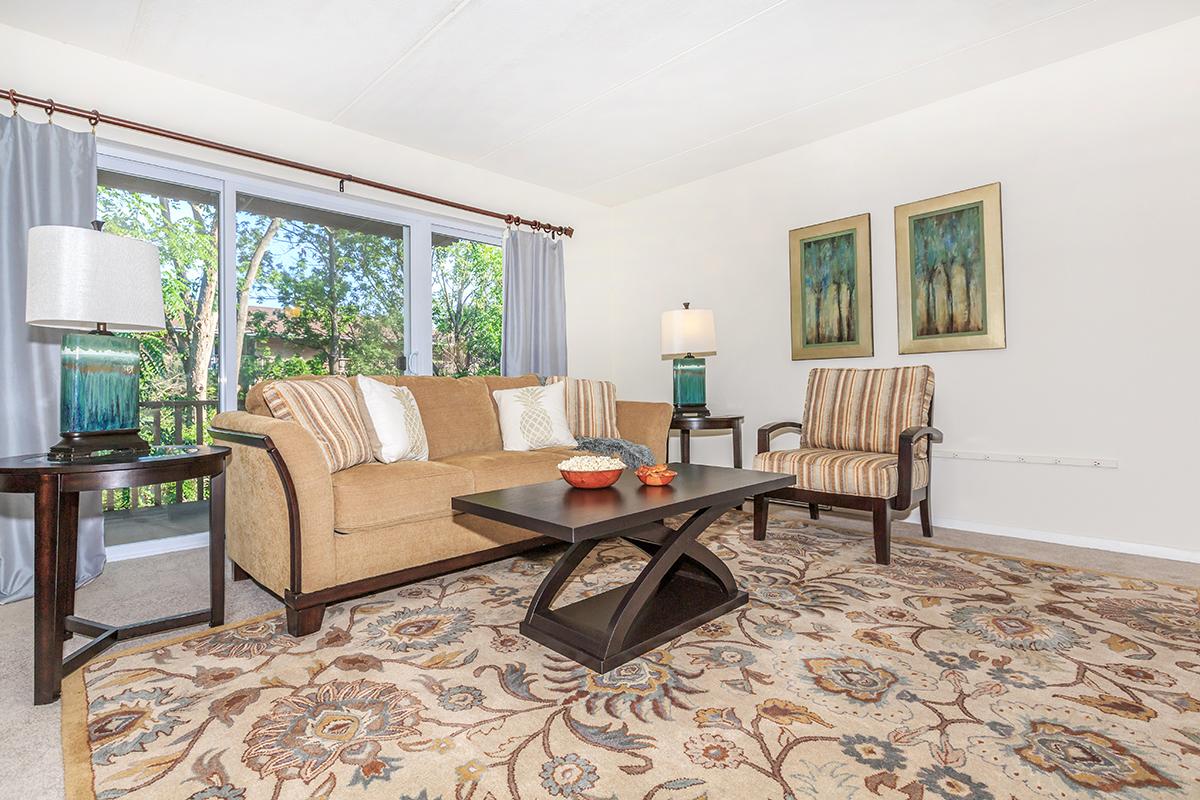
658 478
596 479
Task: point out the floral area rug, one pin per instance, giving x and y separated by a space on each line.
950 674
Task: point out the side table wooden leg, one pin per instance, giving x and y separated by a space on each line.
47 643
685 446
68 547
737 444
216 548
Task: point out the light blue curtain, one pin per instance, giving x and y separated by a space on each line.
535 306
47 177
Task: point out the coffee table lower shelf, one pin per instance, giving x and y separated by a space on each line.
581 629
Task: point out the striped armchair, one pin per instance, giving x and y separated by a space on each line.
864 444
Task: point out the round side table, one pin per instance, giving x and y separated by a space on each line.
55 486
685 424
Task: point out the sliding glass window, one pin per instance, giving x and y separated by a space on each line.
467 304
318 293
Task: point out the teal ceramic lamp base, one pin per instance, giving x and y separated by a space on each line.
98 413
688 378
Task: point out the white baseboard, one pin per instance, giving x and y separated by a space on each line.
1089 542
155 547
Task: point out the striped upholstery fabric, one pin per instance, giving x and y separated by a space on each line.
591 407
326 408
866 409
843 471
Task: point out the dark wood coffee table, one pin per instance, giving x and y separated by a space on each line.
684 584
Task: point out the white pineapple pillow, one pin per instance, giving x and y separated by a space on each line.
393 421
534 417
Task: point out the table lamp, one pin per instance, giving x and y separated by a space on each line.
98 283
685 332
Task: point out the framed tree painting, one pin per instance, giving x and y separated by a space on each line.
831 289
950 272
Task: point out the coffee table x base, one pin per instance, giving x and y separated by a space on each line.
683 585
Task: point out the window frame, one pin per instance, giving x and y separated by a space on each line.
228 182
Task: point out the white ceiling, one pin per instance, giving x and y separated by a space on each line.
605 99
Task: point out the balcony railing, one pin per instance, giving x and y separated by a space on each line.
166 422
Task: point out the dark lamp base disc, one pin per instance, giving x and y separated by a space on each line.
692 411
93 445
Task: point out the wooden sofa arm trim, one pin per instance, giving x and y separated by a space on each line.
261 441
908 439
764 433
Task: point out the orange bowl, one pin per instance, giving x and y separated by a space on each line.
658 478
596 479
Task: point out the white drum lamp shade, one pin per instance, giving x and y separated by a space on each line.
688 330
79 278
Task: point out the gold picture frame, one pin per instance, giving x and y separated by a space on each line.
831 289
950 272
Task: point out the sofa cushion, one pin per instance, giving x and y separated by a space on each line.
376 495
499 383
500 469
457 413
866 409
842 471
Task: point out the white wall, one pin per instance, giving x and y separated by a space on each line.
45 68
1099 161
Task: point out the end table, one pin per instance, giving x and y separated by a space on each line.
685 424
55 487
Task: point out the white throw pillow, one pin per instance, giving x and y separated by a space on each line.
393 421
534 417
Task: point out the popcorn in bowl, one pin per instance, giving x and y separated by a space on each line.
590 464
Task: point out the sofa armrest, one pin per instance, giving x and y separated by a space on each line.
279 502
907 455
646 423
764 433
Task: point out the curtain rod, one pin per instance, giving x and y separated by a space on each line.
94 117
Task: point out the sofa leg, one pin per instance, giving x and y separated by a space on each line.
239 574
303 621
881 516
926 518
814 511
760 517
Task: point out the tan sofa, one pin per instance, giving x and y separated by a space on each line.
314 538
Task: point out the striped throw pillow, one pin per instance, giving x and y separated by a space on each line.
326 408
591 406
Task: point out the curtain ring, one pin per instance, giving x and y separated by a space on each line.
94 120
12 98
50 111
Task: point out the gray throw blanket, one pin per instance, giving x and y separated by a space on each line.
634 455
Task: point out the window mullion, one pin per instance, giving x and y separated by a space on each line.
419 333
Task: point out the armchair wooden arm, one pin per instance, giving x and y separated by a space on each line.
764 433
908 438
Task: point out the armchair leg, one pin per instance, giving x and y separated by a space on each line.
303 621
814 511
881 516
926 518
760 517
239 574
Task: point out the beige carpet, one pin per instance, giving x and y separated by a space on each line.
951 674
